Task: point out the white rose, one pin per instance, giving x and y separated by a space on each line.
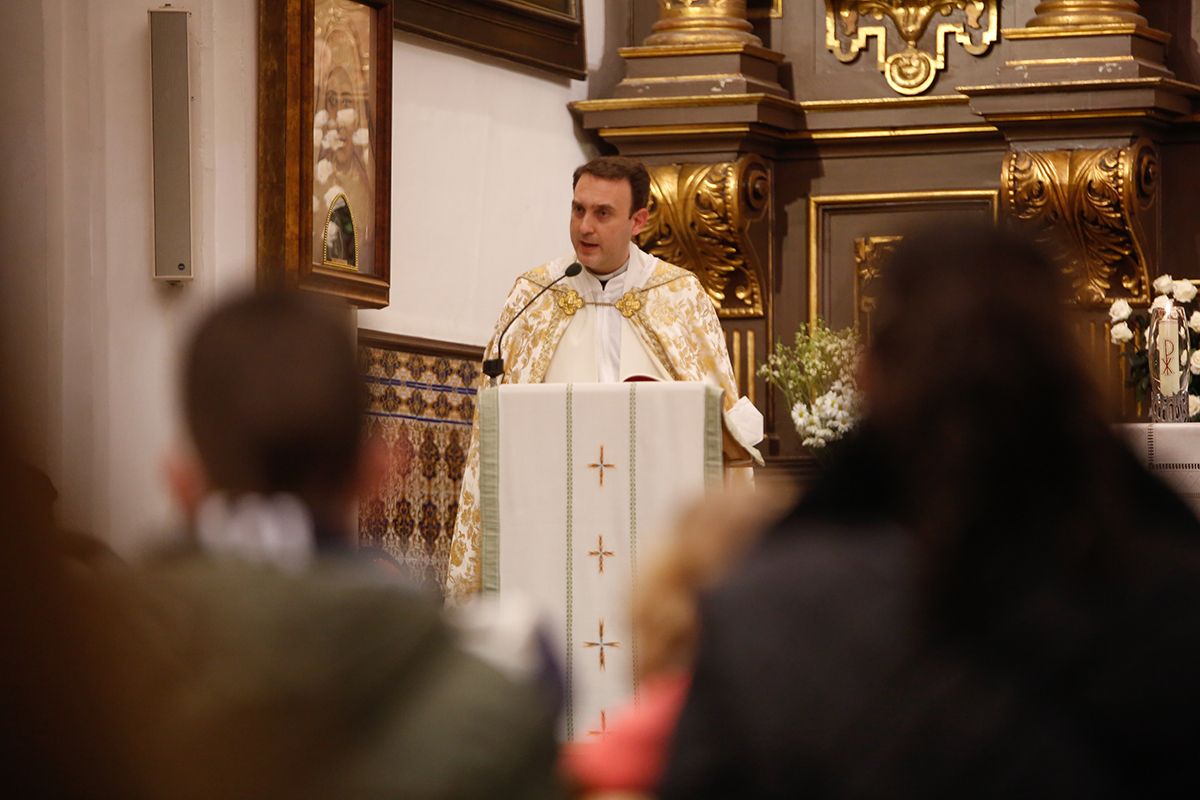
321 119
1184 291
1193 405
1194 322
1162 301
1162 284
1194 363
331 194
1119 311
347 117
331 141
1120 333
361 137
324 170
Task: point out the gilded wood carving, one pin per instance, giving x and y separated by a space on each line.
700 216
1092 207
912 70
702 22
870 255
1086 12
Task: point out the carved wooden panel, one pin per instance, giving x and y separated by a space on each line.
838 223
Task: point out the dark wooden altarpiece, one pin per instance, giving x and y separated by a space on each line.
804 156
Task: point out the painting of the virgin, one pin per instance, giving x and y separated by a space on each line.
342 129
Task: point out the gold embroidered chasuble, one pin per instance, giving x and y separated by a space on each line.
675 320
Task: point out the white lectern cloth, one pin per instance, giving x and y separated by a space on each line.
576 481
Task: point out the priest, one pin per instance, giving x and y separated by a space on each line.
625 315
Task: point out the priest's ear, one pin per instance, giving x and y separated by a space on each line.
641 218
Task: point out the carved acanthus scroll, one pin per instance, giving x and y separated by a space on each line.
1093 208
912 70
700 215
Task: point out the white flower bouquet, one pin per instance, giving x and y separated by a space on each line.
1127 324
817 376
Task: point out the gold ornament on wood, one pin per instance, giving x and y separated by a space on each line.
700 215
871 253
1092 208
911 71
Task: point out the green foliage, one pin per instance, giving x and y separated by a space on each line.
807 369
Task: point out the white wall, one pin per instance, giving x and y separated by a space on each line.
111 332
23 322
482 156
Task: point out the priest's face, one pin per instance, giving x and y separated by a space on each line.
603 222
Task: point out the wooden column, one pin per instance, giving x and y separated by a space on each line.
1077 13
683 22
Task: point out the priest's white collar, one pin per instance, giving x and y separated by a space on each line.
608 276
637 269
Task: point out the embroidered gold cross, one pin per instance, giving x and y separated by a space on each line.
600 465
600 553
603 732
601 644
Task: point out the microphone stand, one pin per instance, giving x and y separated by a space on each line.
494 367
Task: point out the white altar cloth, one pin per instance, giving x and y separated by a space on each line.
576 481
1170 450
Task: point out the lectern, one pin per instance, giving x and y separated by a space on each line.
577 482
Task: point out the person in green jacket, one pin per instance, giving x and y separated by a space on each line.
266 660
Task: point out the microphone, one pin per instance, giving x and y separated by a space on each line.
494 367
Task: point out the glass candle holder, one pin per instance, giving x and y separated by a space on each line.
1168 350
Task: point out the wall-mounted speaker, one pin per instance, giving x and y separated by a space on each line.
172 137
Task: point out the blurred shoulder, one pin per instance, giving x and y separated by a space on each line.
806 567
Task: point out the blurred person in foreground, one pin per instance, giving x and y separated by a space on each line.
275 664
58 668
984 596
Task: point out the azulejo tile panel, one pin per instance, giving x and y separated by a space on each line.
420 409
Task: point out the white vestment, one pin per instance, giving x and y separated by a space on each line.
599 345
653 319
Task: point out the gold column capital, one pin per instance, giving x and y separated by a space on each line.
1096 210
684 22
700 216
1080 13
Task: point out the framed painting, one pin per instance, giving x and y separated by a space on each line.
547 34
324 151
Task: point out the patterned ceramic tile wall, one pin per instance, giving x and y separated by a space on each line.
420 408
